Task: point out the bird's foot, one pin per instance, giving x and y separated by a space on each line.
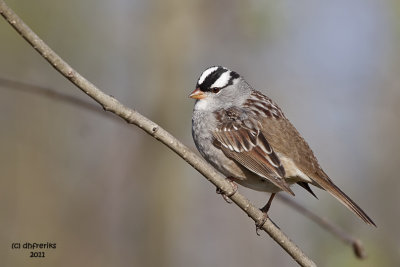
227 195
264 218
260 223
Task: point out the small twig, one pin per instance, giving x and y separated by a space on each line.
133 117
356 244
49 93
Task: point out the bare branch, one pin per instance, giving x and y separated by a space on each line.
49 93
131 116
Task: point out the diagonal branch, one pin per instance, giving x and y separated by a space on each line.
131 116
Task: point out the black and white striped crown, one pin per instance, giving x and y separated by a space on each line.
216 77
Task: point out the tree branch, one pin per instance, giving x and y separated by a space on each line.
131 116
49 93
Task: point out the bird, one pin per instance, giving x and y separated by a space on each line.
245 135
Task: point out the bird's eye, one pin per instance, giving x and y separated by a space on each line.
215 90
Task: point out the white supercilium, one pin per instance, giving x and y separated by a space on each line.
222 81
205 74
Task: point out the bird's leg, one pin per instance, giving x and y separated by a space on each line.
227 195
264 210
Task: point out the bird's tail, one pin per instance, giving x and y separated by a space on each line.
350 204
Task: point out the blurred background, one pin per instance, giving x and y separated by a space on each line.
109 195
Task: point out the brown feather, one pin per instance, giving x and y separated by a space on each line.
307 187
342 197
242 141
256 162
285 139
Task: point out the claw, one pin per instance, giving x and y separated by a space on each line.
264 218
225 195
261 223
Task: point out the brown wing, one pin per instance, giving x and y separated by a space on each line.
240 138
285 139
282 135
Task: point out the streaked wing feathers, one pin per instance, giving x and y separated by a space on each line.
241 140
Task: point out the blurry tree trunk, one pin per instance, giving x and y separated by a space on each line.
164 59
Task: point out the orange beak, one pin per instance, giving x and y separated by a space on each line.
197 94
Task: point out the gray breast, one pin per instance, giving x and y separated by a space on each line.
203 124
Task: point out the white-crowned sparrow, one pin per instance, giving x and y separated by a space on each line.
246 136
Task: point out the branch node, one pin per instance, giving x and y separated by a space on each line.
70 74
154 129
